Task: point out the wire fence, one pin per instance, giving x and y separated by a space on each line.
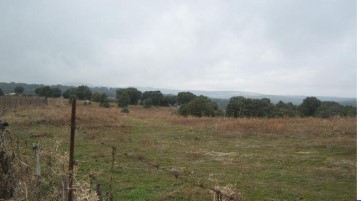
10 102
220 194
59 188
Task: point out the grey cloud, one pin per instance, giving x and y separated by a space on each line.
280 47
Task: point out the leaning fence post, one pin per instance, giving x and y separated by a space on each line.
71 151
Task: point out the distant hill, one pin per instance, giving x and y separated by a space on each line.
221 97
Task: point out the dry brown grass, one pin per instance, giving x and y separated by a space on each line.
257 126
288 154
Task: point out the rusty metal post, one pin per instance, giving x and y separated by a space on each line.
71 151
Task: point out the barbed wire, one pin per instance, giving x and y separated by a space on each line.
173 172
139 157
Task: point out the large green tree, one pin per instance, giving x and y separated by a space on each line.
285 110
199 107
309 106
185 97
98 97
1 92
69 92
45 91
246 107
156 97
83 93
134 94
234 106
123 100
169 100
330 108
102 99
56 92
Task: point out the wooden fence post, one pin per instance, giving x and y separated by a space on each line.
99 192
64 184
71 151
111 176
36 150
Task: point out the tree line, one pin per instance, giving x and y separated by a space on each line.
310 107
191 104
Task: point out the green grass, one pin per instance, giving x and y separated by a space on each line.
284 159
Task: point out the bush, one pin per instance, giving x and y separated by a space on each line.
199 107
125 110
105 103
148 103
123 100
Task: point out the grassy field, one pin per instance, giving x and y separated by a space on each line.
263 159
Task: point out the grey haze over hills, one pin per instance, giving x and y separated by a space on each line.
297 99
221 97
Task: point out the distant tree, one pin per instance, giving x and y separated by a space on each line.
102 99
45 91
285 110
134 94
99 97
83 93
185 97
309 106
56 92
199 107
330 108
123 99
156 97
105 103
234 106
351 111
262 108
19 90
71 98
148 103
246 107
1 92
169 100
69 92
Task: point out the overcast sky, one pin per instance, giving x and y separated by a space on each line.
284 47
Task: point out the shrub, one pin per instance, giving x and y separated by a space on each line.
105 103
125 110
123 99
148 103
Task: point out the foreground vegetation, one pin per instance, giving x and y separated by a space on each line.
264 159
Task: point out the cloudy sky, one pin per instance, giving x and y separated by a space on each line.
285 47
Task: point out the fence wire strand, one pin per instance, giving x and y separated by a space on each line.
174 173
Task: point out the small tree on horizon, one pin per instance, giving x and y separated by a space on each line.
123 100
309 106
19 90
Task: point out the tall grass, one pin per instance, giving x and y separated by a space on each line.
264 159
